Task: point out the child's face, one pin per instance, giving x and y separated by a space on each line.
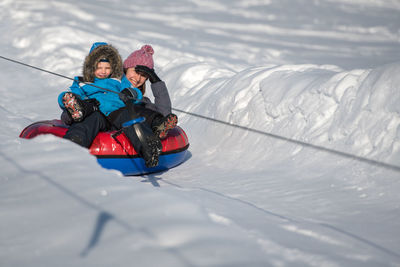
103 70
135 78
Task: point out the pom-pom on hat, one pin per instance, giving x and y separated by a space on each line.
143 56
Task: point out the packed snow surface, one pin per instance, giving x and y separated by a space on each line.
309 176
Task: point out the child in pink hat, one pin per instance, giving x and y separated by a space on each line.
138 68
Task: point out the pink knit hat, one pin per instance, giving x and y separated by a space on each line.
143 56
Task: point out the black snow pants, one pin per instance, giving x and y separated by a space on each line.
84 132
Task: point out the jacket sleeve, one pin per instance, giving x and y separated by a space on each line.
162 101
77 89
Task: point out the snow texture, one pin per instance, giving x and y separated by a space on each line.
320 188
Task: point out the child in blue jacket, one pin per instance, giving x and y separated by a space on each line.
97 102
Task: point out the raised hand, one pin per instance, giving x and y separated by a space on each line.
153 78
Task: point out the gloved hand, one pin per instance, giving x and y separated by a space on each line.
153 78
92 103
130 94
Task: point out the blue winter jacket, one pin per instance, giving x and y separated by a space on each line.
109 101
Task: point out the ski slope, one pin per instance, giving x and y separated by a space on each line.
311 79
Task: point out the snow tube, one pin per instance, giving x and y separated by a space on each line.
117 152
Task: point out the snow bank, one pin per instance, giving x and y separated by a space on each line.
324 73
351 111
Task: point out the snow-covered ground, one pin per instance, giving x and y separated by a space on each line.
321 72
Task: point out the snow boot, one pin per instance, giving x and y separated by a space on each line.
74 106
161 125
79 109
145 142
151 150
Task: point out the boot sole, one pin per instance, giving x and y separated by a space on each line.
169 124
71 104
154 146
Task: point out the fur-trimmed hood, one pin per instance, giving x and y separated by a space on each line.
95 55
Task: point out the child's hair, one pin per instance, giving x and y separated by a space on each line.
142 88
99 53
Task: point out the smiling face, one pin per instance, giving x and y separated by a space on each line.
135 78
103 70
